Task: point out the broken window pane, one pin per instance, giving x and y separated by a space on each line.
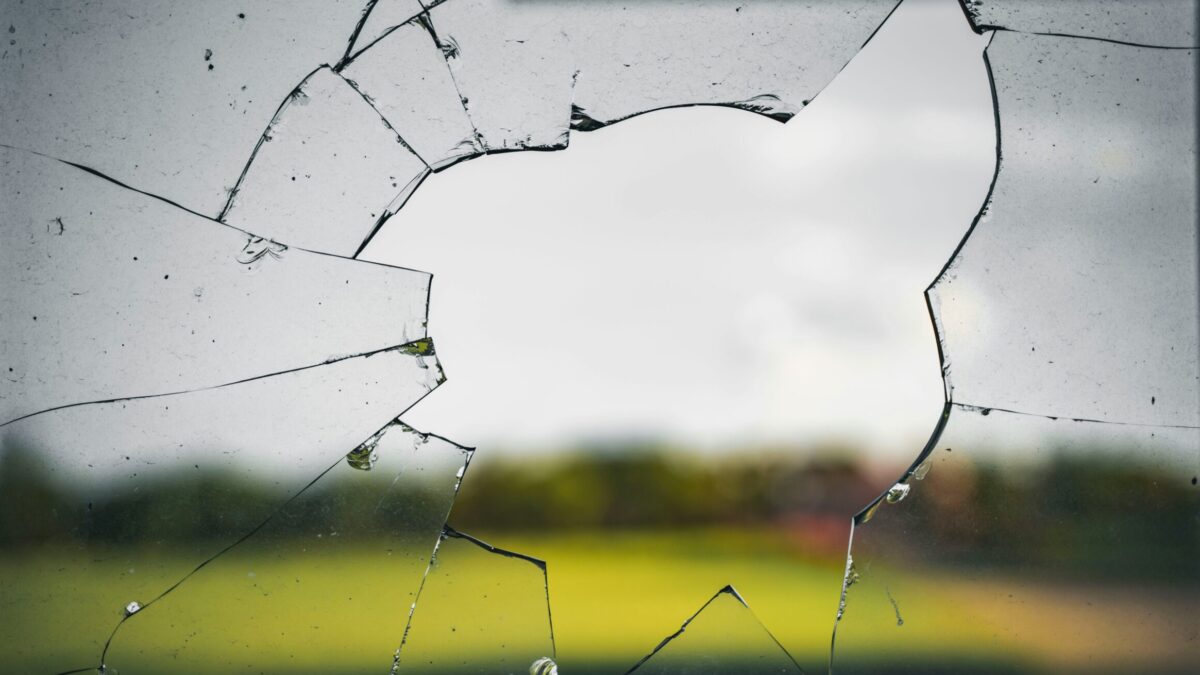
723 637
324 170
198 433
407 80
481 609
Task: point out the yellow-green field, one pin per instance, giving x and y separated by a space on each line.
298 608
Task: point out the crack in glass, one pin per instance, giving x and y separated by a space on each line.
203 391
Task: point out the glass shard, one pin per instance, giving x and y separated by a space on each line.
770 58
169 97
379 17
114 294
122 500
522 74
323 171
545 61
407 79
1149 22
722 638
1075 293
513 70
1024 525
327 579
480 609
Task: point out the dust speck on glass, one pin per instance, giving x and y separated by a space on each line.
205 386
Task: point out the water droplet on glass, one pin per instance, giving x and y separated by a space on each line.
922 469
852 575
897 493
848 580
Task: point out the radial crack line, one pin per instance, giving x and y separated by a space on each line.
262 524
229 547
215 221
986 410
1126 43
352 54
418 347
100 174
386 122
392 209
262 139
427 22
362 21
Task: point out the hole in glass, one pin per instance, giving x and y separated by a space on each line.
699 286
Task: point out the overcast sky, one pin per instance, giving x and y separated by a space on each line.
709 276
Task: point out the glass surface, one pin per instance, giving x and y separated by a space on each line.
203 463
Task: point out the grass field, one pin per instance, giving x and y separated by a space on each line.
299 608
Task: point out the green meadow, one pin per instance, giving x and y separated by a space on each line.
981 570
613 595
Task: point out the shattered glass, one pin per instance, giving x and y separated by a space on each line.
409 84
203 465
318 185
